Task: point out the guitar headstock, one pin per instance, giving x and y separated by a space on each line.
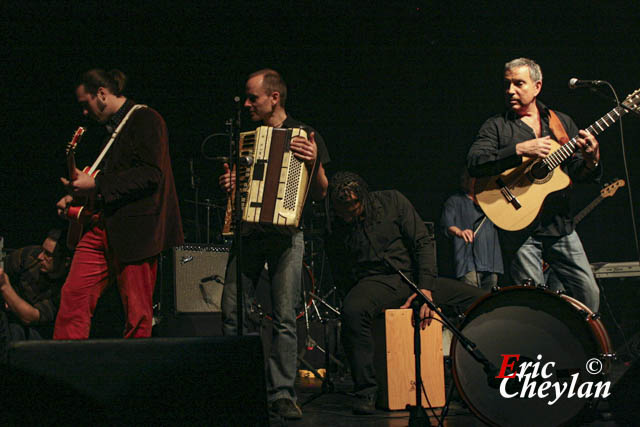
632 101
77 136
611 189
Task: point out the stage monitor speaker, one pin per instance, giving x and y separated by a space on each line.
199 272
156 381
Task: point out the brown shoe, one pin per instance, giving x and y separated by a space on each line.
365 404
285 408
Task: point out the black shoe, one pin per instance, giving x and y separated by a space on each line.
286 408
365 404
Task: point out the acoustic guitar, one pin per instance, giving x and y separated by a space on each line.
513 199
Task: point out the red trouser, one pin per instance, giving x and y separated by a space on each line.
93 267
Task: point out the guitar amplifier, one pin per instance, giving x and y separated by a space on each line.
605 270
198 278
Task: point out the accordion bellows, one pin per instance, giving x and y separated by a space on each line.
273 183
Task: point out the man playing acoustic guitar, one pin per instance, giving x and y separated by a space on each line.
529 130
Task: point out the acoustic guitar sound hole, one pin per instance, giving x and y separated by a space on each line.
539 171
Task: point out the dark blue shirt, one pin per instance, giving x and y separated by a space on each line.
483 254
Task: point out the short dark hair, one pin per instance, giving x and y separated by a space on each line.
272 82
60 252
114 80
54 234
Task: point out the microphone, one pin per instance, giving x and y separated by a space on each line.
491 371
214 277
575 83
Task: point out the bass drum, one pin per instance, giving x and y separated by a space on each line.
530 321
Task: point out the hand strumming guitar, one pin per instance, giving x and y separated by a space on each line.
535 148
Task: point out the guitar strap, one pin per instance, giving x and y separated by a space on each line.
557 129
114 135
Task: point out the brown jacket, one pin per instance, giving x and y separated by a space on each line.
141 210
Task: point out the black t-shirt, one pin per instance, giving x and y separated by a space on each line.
323 157
323 153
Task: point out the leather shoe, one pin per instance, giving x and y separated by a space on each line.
365 404
286 408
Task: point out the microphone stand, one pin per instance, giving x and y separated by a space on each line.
195 186
234 143
616 101
417 414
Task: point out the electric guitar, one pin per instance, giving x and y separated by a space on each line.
513 199
75 212
608 191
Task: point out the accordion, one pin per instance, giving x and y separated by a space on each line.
273 183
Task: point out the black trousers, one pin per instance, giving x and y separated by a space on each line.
370 297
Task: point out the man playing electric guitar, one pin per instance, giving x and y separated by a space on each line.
140 216
528 130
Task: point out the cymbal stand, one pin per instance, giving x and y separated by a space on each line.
208 209
328 385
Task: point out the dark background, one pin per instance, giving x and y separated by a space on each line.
398 91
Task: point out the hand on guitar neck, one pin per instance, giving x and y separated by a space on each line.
83 184
590 148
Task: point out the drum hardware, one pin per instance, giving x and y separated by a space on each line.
209 206
329 324
327 313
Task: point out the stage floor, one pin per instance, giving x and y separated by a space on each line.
334 409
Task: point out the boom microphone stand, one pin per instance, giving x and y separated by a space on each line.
417 414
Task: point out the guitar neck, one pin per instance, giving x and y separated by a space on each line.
71 166
587 210
567 150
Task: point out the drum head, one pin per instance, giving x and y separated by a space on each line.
539 326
